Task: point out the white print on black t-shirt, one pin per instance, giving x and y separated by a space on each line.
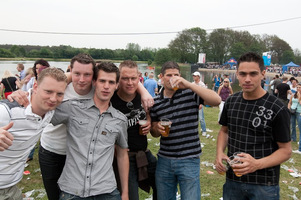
134 116
266 113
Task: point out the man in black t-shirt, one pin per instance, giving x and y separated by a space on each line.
128 101
283 89
256 129
275 83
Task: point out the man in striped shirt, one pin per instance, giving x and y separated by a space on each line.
22 127
178 157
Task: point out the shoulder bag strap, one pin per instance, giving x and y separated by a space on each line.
9 84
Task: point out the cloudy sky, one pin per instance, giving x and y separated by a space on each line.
109 19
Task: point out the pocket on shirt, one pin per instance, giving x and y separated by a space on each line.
110 134
78 126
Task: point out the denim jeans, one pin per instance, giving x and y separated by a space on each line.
51 165
202 119
133 176
186 172
293 126
31 153
299 126
242 191
115 195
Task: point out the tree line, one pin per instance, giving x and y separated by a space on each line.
219 46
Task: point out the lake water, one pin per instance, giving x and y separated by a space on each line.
12 66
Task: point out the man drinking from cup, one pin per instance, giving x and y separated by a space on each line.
179 154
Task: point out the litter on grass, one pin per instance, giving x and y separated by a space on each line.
294 189
41 194
26 172
294 197
207 164
37 170
295 175
205 195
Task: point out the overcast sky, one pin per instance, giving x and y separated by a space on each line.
141 16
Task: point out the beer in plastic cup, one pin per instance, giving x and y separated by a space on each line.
141 122
174 87
226 166
234 160
166 124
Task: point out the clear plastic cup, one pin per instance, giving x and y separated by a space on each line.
174 87
166 124
234 160
141 123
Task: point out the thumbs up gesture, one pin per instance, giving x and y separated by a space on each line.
6 138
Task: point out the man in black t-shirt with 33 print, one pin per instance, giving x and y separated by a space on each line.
256 129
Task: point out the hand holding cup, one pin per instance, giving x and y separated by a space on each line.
166 123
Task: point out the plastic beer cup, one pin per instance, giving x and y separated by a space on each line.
233 160
141 123
174 87
166 124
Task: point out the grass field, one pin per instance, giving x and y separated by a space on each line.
211 184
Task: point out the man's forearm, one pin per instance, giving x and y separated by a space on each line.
123 168
222 141
209 96
279 156
141 89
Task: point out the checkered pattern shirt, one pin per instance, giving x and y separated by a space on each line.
255 127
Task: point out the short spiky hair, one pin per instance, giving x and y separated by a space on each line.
53 73
251 57
129 64
106 67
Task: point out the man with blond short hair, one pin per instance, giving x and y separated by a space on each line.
22 127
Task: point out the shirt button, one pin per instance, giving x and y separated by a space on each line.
87 176
90 152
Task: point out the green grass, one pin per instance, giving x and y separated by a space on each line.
210 183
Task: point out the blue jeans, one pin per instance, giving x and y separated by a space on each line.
133 176
299 126
51 165
115 195
31 153
186 172
242 191
202 119
293 126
